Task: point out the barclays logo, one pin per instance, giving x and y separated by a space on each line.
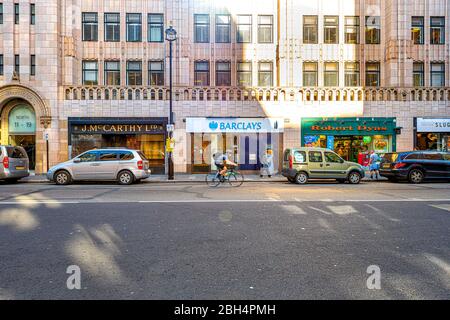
213 125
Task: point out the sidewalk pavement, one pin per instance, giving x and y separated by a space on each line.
191 178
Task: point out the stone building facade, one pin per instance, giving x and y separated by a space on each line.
352 75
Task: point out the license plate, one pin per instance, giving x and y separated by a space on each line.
386 166
20 168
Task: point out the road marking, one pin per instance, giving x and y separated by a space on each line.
445 207
25 202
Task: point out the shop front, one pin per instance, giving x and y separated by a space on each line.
432 134
145 134
352 138
244 140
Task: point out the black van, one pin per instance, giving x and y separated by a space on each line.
416 166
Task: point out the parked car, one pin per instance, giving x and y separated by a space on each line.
416 166
122 165
302 164
14 163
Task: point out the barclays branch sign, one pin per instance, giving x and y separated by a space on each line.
234 125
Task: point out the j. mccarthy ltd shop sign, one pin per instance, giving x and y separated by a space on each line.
235 125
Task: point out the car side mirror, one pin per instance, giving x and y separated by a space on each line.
76 160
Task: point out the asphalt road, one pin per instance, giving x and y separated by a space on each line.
260 241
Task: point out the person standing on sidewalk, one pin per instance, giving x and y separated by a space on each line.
374 165
267 163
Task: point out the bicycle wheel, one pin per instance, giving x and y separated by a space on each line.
236 179
212 179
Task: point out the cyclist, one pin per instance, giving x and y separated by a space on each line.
222 162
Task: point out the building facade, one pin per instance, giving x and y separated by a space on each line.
351 75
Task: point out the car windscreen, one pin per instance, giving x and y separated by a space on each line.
16 153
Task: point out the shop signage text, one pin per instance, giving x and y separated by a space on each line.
349 128
433 125
117 128
234 125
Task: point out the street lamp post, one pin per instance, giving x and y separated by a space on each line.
171 36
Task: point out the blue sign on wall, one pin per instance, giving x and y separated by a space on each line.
330 142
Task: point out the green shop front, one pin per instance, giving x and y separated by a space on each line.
352 138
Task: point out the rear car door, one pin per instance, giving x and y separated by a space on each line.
18 160
316 165
108 164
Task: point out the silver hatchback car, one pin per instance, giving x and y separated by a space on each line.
122 165
14 163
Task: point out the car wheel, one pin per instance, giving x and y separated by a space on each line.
62 178
125 178
416 176
301 178
354 177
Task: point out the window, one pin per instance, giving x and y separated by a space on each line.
90 27
156 73
417 30
1 13
155 27
244 74
223 74
2 65
331 29
17 64
201 28
32 14
418 74
112 27
332 157
223 28
414 156
352 30
33 65
315 156
126 156
437 74
244 29
201 73
16 13
134 27
265 29
90 72
107 156
265 74
112 73
352 74
299 157
331 74
432 156
437 26
88 156
310 26
373 30
373 74
310 74
134 73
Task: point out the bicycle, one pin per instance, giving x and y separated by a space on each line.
233 177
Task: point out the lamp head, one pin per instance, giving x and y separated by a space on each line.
171 34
